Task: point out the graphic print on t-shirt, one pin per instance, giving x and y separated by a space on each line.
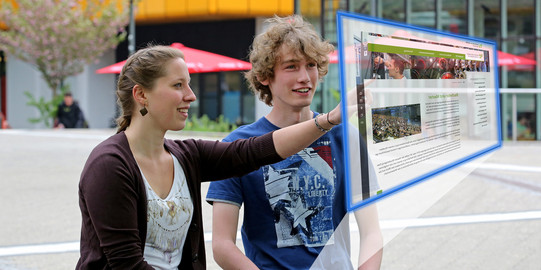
300 190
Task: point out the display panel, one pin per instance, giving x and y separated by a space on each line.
418 102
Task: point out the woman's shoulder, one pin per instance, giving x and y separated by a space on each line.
115 145
112 157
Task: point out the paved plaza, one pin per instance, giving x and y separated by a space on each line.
485 214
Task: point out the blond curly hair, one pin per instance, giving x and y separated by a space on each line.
299 36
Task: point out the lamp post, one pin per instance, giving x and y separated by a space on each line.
131 32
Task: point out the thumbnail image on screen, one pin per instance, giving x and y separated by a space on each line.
395 122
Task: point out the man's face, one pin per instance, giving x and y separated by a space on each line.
68 100
295 80
393 70
378 61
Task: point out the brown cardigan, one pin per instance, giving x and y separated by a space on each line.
113 200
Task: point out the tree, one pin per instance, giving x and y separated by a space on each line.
60 37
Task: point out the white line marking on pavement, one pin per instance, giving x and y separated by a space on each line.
509 167
385 225
39 249
59 134
457 220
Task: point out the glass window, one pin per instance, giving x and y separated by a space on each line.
231 96
520 17
311 11
455 16
331 7
526 129
361 7
209 95
423 13
486 19
507 113
521 42
393 10
194 106
248 106
329 90
521 76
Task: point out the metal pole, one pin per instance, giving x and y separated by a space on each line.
439 9
407 11
322 18
514 116
470 11
537 54
131 32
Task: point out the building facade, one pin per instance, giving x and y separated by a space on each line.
227 27
514 25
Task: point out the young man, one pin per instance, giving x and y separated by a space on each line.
69 114
291 208
396 68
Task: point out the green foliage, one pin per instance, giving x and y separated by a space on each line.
335 94
205 124
47 109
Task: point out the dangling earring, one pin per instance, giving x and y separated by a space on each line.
143 111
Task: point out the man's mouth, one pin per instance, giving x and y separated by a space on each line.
301 90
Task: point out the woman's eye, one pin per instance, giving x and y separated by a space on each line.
178 85
312 65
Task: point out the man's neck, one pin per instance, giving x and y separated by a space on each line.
283 118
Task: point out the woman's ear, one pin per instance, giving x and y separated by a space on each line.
139 94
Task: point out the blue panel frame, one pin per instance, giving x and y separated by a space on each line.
341 56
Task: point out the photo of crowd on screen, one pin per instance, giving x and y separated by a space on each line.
402 66
389 123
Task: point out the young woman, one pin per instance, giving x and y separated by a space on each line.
140 194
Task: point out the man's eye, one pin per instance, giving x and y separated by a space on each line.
178 85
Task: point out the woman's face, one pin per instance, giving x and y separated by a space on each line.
169 100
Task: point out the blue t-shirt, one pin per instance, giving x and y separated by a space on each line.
291 208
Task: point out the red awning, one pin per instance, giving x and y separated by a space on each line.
198 61
507 59
350 55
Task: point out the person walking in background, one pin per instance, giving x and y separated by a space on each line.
69 114
291 208
140 194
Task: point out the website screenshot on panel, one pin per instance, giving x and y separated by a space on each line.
425 102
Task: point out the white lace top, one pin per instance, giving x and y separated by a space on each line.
167 222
